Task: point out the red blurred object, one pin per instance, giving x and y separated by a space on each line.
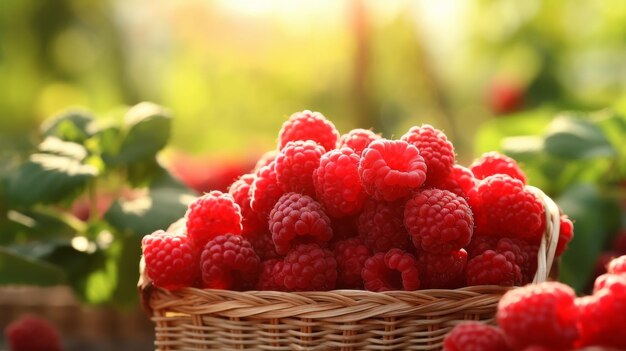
505 97
619 245
206 173
31 333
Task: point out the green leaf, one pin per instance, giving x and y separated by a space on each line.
574 138
32 224
72 125
20 270
127 265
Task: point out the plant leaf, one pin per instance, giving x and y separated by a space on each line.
574 138
72 125
148 132
20 270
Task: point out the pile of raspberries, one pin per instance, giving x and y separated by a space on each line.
549 317
357 211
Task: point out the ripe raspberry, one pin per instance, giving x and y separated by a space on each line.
617 265
240 191
308 267
515 250
381 225
350 255
337 183
602 316
474 336
307 125
434 147
295 164
298 219
265 160
212 214
439 221
538 348
262 243
493 268
171 260
229 262
501 205
460 181
31 333
505 96
566 233
493 162
390 169
445 271
265 190
344 228
270 277
542 315
358 139
394 270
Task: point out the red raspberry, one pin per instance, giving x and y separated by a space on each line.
460 181
262 243
270 277
295 164
240 191
298 219
439 221
309 267
493 268
265 190
31 333
394 270
501 205
474 336
337 183
229 262
307 125
566 233
493 162
617 265
538 348
212 214
542 315
350 255
344 228
381 225
516 250
434 147
443 271
505 96
602 316
171 260
358 139
390 169
265 160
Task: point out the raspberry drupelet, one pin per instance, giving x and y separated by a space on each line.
307 125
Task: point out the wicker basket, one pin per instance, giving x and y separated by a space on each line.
206 319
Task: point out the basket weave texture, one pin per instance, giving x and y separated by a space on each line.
206 319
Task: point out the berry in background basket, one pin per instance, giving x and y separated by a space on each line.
438 221
474 336
358 139
31 333
394 270
494 268
295 164
229 262
381 225
351 255
308 267
566 233
296 219
434 147
307 125
212 214
493 162
337 183
265 190
445 271
172 261
391 169
460 181
515 250
251 221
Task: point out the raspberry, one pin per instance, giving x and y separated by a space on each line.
491 163
566 233
350 255
171 260
443 271
394 270
265 190
298 219
460 181
307 125
31 333
262 243
515 250
270 277
308 267
229 262
439 221
381 226
538 348
493 268
617 265
295 164
240 191
337 183
390 169
265 160
358 139
212 214
541 315
434 147
502 205
474 336
602 316
344 228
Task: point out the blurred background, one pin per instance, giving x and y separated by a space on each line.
231 71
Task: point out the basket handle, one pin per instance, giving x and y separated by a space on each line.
550 239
